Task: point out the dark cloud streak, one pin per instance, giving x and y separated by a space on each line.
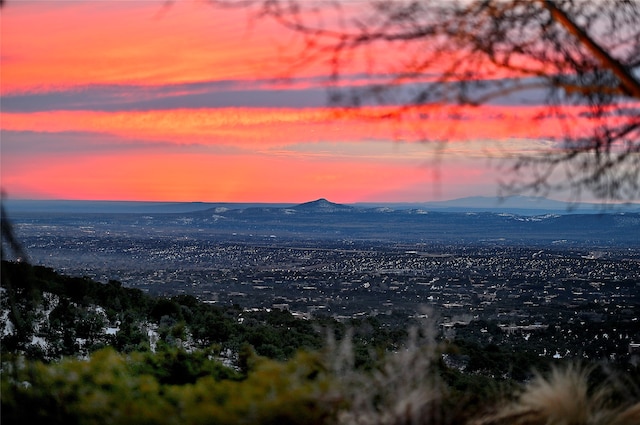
112 98
16 143
213 94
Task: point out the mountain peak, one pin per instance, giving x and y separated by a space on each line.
322 205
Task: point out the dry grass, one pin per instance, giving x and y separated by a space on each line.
405 389
402 390
564 397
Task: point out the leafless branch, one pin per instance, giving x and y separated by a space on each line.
582 53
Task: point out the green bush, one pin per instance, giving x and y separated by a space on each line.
170 387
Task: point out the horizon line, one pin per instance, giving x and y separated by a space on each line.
497 198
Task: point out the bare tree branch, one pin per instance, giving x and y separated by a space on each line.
583 54
630 84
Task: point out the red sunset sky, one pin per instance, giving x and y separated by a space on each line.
133 100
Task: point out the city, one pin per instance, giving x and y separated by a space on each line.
567 293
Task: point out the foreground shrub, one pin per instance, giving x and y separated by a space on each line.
320 387
106 389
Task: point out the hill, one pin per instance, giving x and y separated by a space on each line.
48 315
321 206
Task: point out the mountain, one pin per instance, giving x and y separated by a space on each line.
523 205
325 220
322 206
119 207
528 205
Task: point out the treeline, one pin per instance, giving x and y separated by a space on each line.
50 316
68 316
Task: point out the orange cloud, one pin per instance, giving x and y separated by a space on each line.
50 44
187 177
259 127
73 44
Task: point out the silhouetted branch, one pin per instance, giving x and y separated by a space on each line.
581 54
8 235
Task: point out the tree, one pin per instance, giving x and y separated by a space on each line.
8 235
581 57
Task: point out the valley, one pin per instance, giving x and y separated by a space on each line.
324 259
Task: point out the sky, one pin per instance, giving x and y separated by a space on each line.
182 101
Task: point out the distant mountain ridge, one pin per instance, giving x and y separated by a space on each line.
452 222
324 220
522 205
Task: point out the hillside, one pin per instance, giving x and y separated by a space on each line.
116 355
48 315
